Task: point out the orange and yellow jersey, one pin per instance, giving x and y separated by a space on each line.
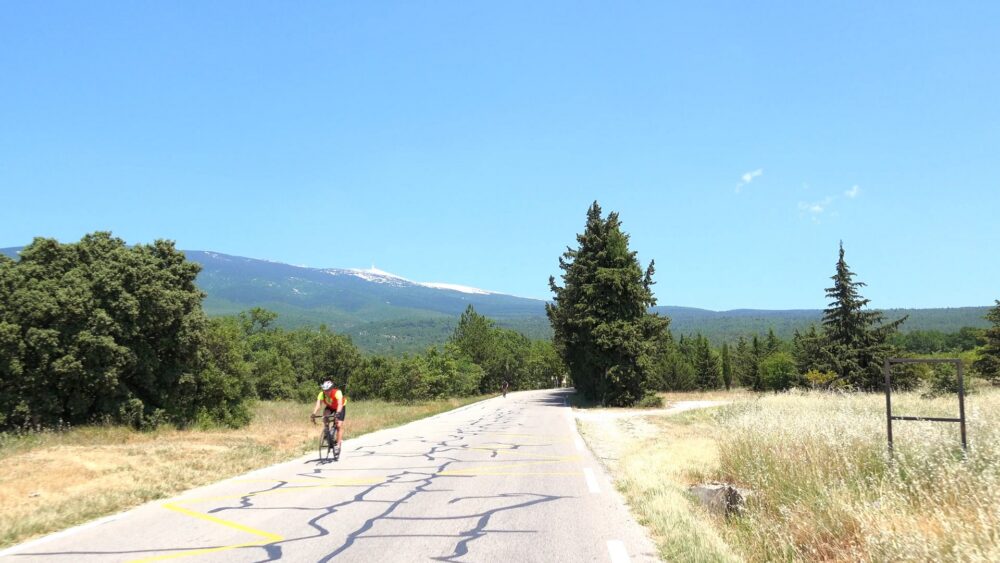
333 398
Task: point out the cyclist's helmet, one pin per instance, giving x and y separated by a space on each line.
327 385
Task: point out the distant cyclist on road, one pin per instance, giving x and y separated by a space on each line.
332 401
506 385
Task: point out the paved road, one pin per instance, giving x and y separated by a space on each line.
500 480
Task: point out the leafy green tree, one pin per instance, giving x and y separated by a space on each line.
322 354
475 336
368 379
411 381
967 338
778 372
857 340
506 361
600 315
451 374
99 330
257 321
504 354
544 366
988 364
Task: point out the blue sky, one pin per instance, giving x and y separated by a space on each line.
462 142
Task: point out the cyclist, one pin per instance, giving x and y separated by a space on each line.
506 385
332 401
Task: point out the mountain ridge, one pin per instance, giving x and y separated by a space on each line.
389 313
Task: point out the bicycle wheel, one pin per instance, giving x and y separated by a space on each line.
326 446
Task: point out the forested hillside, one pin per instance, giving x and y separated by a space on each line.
389 314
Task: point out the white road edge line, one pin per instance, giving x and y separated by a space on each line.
15 549
616 548
579 443
588 474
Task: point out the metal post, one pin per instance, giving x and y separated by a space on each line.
961 406
888 403
961 397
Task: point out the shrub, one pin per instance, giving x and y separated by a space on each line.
650 401
100 330
779 372
823 379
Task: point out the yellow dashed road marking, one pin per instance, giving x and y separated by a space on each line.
505 466
267 537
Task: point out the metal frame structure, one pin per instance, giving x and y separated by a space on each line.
887 369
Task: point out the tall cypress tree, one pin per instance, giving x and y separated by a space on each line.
988 364
727 367
600 315
857 340
707 365
741 373
754 358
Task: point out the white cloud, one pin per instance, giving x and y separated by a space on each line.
854 192
816 208
748 177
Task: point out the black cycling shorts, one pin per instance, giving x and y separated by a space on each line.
340 415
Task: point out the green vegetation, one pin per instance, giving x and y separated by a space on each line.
98 330
822 486
988 365
603 328
846 351
279 364
855 341
729 326
934 341
836 496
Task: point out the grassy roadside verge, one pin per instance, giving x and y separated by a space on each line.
823 486
651 458
54 480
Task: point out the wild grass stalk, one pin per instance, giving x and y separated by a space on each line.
825 487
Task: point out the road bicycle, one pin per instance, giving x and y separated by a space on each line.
328 438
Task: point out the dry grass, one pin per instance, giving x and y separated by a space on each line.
824 489
53 480
651 458
716 395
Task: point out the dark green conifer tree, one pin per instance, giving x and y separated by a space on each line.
600 315
988 364
754 358
807 349
773 344
706 365
857 339
741 372
727 367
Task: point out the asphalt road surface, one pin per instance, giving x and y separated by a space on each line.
506 479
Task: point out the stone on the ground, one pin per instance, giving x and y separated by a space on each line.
722 499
